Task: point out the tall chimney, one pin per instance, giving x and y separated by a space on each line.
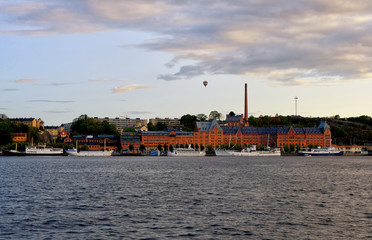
246 107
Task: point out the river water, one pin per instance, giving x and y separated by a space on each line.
185 198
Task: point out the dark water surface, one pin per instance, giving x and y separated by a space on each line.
185 198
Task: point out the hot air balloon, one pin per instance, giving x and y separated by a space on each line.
205 83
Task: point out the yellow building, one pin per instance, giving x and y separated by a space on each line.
31 122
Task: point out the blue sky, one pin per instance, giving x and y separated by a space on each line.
147 59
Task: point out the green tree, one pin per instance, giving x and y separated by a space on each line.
142 147
5 133
165 147
215 115
87 125
129 129
210 149
232 114
34 134
171 148
151 127
188 121
286 148
161 126
201 117
131 148
160 148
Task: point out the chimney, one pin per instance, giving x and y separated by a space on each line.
246 107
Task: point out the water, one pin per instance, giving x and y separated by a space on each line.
185 198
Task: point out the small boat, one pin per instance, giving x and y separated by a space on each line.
128 153
185 152
42 150
13 153
91 153
251 151
155 153
321 152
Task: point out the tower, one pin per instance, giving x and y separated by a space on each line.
246 123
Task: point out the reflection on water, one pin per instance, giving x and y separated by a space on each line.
180 198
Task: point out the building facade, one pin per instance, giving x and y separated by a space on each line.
31 122
98 143
212 134
170 122
123 123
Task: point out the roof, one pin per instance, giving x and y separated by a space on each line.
323 125
236 118
207 126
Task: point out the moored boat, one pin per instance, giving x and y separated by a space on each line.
321 152
155 153
91 153
250 152
42 150
13 153
185 152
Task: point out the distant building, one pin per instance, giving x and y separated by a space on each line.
66 127
53 131
170 122
31 122
234 121
123 123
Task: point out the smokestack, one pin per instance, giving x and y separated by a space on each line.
246 106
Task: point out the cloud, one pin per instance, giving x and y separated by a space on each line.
25 80
9 89
51 101
131 87
292 43
57 84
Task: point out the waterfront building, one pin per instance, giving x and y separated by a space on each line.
235 131
98 142
123 123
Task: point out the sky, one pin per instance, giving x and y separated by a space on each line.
146 59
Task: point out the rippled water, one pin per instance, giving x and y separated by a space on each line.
185 198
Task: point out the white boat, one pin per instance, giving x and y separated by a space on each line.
331 151
250 152
42 150
185 152
91 153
